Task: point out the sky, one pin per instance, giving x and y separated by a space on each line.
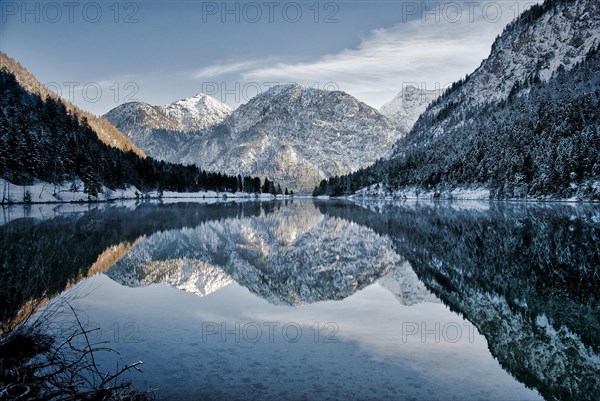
99 54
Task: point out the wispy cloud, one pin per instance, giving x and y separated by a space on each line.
426 54
224 68
429 53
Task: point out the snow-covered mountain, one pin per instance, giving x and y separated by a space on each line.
557 34
408 105
165 130
185 115
522 125
294 135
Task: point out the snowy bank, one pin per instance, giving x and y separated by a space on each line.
44 192
587 192
467 193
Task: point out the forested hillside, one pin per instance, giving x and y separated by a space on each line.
103 129
41 139
542 140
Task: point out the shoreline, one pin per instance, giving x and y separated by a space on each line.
512 200
230 197
41 192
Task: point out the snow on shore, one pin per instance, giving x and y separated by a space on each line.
44 192
378 191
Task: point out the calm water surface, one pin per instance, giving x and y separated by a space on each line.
325 300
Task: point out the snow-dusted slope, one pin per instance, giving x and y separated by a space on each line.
293 135
408 105
292 256
185 115
557 33
196 113
562 35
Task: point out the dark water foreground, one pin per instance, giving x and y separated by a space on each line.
324 299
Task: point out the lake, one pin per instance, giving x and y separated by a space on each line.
322 300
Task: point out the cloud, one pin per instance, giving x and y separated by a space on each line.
429 53
426 54
224 68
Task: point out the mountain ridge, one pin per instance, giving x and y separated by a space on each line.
291 134
184 115
532 47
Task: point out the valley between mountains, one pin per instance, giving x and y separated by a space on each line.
486 136
524 125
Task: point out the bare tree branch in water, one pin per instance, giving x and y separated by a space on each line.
38 365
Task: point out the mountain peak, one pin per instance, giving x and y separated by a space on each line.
411 89
184 115
286 87
197 112
293 91
198 100
408 105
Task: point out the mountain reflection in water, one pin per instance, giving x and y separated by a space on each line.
525 275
